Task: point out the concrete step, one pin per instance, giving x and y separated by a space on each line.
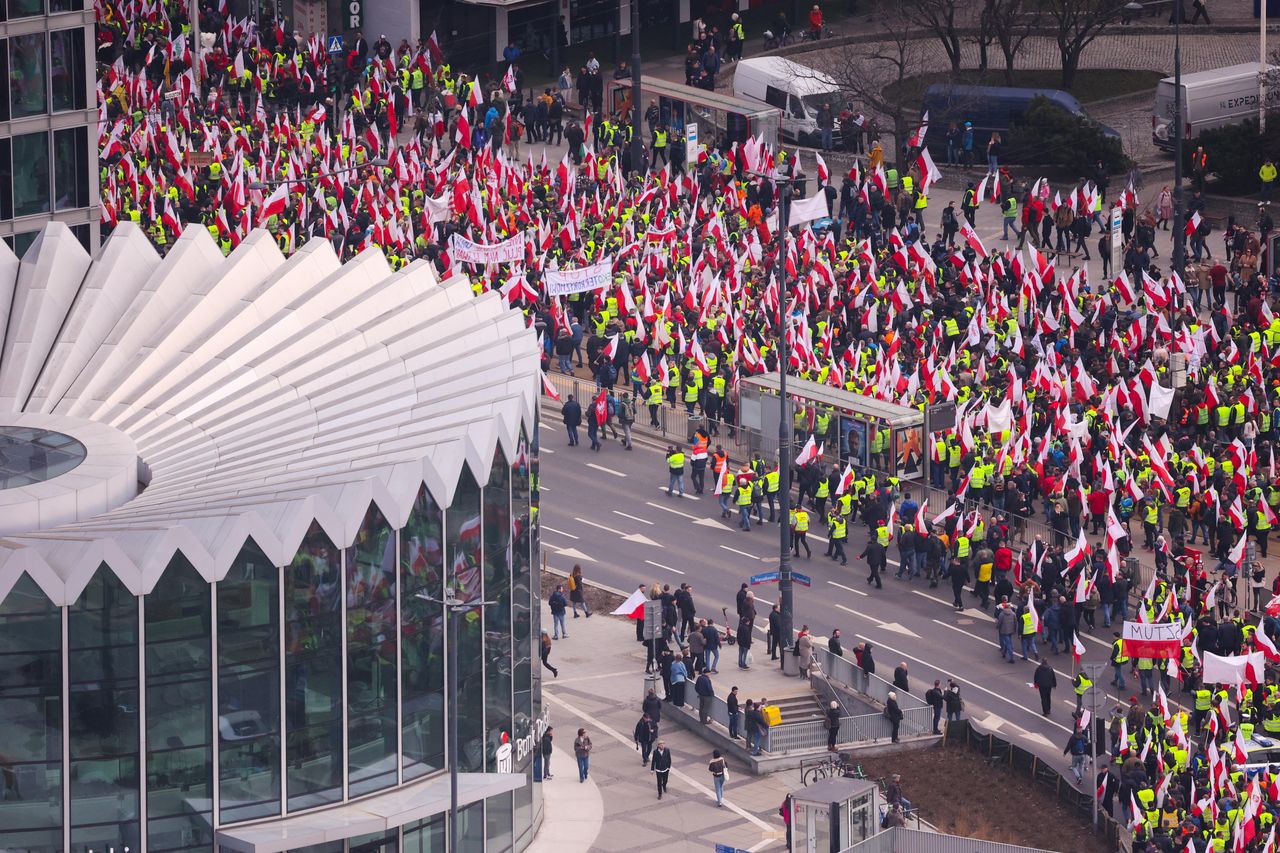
797 709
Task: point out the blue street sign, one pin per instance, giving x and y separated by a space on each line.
335 45
803 580
767 577
729 848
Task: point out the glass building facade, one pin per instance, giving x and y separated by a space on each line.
48 121
166 721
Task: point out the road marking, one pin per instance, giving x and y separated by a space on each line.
886 626
601 526
740 553
686 497
856 613
542 450
670 510
968 611
559 532
572 554
764 601
847 589
594 721
979 687
632 517
606 470
660 566
641 540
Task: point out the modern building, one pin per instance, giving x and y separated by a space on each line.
48 120
233 492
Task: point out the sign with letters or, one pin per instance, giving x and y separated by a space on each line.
803 580
470 252
691 144
766 577
1162 640
580 280
354 14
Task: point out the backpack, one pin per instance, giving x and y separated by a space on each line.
628 415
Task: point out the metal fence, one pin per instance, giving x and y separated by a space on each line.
900 838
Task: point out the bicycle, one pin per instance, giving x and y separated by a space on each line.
831 767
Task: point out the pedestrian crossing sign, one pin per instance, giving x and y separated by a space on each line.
335 44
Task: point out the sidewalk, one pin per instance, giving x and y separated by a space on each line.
601 689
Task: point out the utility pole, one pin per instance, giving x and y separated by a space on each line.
1094 672
197 63
785 595
1262 66
637 147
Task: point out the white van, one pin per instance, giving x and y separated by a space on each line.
1216 98
799 92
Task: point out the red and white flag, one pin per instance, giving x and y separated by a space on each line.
1193 223
509 79
548 388
1077 647
808 453
633 607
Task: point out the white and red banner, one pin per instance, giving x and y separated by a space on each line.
1159 640
462 250
580 280
1234 669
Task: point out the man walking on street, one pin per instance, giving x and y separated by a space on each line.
645 735
719 772
706 696
661 766
572 413
582 751
558 604
675 470
933 697
1006 626
774 635
1045 680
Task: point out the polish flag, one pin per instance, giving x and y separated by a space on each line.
1077 554
920 525
274 205
1265 645
1077 648
509 79
633 607
474 97
1192 224
611 349
808 453
845 480
548 388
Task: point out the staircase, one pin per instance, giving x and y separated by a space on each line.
798 709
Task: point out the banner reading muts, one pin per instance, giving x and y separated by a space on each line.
467 251
1160 640
580 280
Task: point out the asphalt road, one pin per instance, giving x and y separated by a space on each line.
609 511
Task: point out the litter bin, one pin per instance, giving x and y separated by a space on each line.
790 663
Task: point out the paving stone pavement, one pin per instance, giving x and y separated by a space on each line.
600 686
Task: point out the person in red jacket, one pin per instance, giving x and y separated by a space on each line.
1098 502
815 21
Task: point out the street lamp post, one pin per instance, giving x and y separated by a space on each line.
637 147
785 592
1094 672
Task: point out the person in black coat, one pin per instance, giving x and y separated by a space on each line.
1045 681
894 714
833 726
661 766
646 734
572 413
774 636
652 706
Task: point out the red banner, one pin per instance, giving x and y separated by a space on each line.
1162 640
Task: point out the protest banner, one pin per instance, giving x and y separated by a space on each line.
1162 640
466 251
580 280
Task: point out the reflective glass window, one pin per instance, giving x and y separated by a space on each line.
31 711
463 524
25 8
371 656
424 836
422 637
376 842
471 829
497 616
66 69
249 687
313 672
535 582
71 168
524 736
66 5
498 819
31 176
28 88
103 678
178 616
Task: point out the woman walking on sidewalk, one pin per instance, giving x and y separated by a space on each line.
582 750
661 765
719 775
544 652
576 595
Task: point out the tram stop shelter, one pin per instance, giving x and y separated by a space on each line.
855 429
834 814
704 117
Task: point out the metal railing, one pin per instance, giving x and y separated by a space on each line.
921 841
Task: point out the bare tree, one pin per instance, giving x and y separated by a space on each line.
864 78
939 18
1076 23
1010 23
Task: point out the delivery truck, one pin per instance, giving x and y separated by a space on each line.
1210 99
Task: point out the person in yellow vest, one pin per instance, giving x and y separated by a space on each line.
1080 684
1118 660
724 488
654 401
772 481
742 497
800 531
675 469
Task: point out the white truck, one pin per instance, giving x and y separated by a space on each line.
799 92
1210 99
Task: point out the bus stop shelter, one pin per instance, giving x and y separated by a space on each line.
855 429
834 814
704 117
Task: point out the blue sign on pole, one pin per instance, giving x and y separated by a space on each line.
803 580
335 45
767 577
728 848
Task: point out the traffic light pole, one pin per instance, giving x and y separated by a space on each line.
785 593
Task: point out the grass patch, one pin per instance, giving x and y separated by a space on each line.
1093 84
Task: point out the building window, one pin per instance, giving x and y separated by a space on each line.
498 814
313 672
28 88
71 168
66 69
371 656
521 626
23 8
103 677
31 181
422 638
424 836
65 6
497 616
463 550
249 687
179 710
31 708
470 829
82 234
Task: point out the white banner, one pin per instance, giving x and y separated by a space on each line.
580 280
467 251
809 209
1234 669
